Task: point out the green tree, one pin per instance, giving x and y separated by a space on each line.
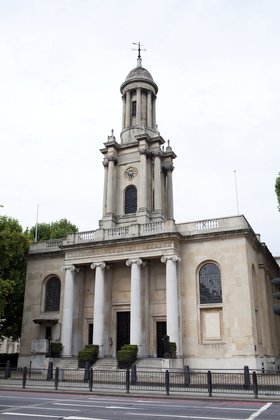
54 230
277 190
13 249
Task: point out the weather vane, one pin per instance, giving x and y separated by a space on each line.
139 49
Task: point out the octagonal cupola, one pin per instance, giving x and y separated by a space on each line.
139 103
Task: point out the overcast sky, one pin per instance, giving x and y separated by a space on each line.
217 66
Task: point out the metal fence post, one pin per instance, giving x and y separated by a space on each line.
90 379
56 378
246 377
187 376
255 384
24 376
127 375
167 382
209 383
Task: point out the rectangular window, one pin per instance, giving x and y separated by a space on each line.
133 109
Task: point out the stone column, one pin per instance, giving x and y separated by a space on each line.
105 164
110 184
149 110
98 308
143 177
123 113
168 168
127 109
135 304
157 177
68 304
138 106
154 113
172 300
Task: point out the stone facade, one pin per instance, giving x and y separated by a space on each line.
140 276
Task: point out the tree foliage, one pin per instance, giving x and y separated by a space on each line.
13 249
14 244
277 190
54 230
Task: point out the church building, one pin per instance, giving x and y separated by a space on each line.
140 276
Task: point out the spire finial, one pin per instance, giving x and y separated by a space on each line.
139 49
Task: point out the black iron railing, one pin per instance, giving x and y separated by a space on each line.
187 381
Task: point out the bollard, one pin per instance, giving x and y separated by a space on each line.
7 373
209 383
255 385
246 377
127 380
86 374
133 378
24 376
187 376
50 371
167 383
90 380
56 377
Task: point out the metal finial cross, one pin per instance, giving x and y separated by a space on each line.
139 48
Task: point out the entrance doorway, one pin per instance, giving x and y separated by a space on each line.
123 329
161 332
90 333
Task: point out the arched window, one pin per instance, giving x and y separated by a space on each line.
210 288
130 200
52 295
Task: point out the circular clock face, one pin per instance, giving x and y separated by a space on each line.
131 172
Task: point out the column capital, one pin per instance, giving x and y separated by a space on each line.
168 167
112 158
143 150
70 268
100 264
173 258
137 261
157 152
105 161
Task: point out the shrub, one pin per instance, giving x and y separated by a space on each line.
172 349
124 358
56 349
133 348
88 354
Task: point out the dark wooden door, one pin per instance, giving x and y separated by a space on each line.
123 329
161 332
90 333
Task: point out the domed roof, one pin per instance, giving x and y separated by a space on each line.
139 73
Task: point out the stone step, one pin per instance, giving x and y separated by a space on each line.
66 363
151 364
106 363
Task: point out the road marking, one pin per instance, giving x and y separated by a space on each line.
261 410
181 417
81 418
28 415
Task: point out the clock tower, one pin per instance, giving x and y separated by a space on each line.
138 168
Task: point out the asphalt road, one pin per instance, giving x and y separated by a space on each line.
17 405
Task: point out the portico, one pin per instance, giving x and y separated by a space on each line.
137 275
